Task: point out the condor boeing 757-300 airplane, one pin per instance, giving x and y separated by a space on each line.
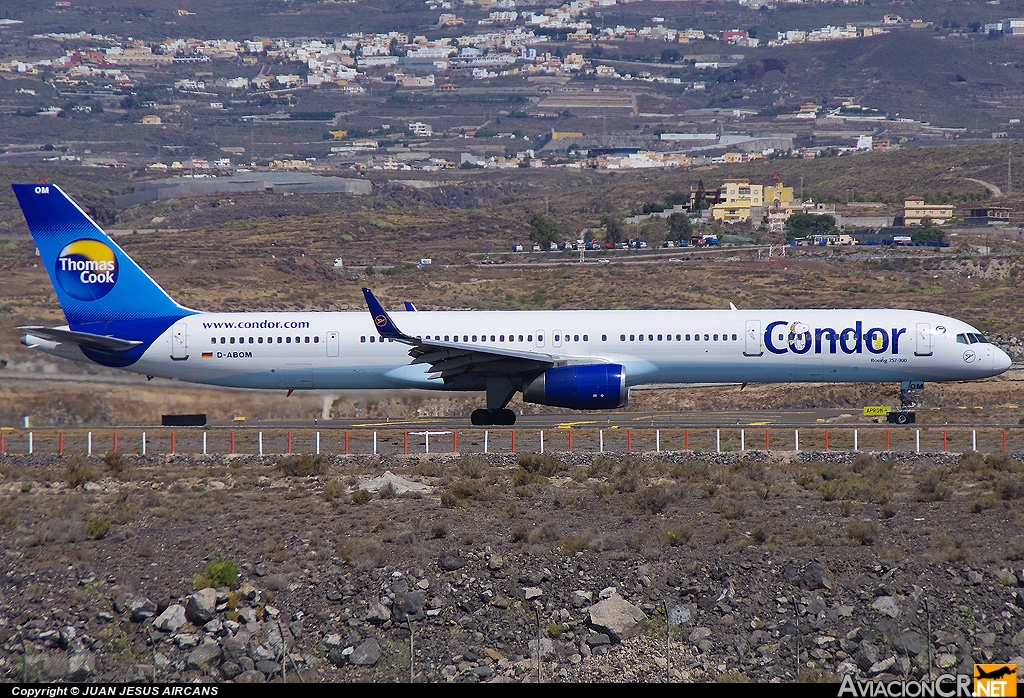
580 359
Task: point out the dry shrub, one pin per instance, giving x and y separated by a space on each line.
604 490
523 478
730 508
541 464
303 465
77 472
1010 487
118 464
572 545
655 499
125 508
677 535
933 487
472 467
334 489
862 532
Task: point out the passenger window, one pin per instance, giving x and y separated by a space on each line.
716 337
259 340
363 340
585 338
213 340
316 339
678 339
659 337
446 338
706 338
474 338
232 340
632 337
734 338
641 337
540 338
650 338
251 340
622 338
502 338
520 338
307 340
604 337
280 340
529 338
492 338
687 338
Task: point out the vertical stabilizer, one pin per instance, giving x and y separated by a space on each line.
96 282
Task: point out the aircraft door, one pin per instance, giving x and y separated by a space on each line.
924 339
753 342
556 338
333 344
540 338
179 342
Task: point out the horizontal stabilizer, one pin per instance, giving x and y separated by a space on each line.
83 339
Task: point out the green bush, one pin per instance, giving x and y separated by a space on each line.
222 572
361 496
97 528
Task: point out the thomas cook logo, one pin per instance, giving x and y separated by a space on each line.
86 269
995 680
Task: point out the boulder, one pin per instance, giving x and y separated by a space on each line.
616 617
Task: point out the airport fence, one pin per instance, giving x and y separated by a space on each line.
613 440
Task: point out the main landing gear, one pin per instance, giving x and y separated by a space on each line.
502 417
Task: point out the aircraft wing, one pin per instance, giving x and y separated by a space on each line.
454 361
84 339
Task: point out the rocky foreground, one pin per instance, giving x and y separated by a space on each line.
684 567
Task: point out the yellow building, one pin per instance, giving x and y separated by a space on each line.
736 198
784 194
151 119
915 211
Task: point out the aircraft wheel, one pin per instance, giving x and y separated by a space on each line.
505 417
481 418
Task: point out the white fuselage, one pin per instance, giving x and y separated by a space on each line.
343 350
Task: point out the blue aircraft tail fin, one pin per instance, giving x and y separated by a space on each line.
94 279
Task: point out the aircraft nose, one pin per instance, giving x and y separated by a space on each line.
1000 360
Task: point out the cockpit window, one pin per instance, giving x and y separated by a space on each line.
971 338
